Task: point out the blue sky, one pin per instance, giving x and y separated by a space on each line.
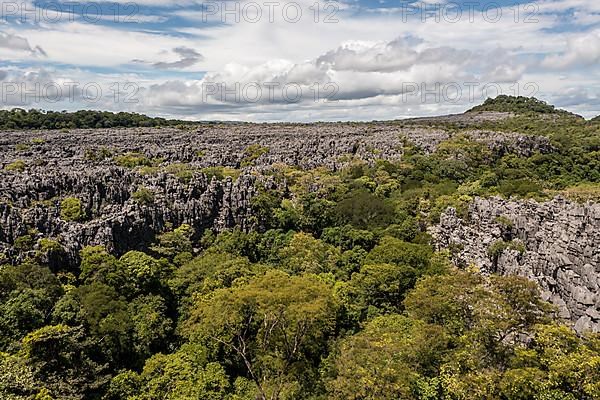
301 60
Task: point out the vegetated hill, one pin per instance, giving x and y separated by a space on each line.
85 119
519 105
596 119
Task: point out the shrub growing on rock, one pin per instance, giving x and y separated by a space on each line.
143 196
17 166
71 209
132 160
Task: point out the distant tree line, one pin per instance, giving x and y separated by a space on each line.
38 119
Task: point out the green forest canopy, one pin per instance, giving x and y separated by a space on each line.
36 119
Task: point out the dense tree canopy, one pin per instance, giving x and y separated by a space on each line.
35 119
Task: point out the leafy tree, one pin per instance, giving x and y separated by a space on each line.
501 307
123 386
151 325
60 358
16 378
211 270
274 328
186 374
347 238
487 318
24 243
50 253
263 206
377 289
316 213
132 160
23 312
253 153
27 295
143 273
98 266
143 196
459 157
257 247
364 210
175 242
386 360
407 230
183 172
106 317
28 276
556 364
36 119
395 251
304 253
17 166
517 104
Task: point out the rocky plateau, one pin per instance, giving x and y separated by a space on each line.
560 240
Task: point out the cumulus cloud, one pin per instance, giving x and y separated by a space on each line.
372 73
396 55
353 72
67 89
553 6
581 50
30 87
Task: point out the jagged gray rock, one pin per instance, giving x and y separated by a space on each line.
561 243
64 164
77 163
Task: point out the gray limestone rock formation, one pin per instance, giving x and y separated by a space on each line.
555 243
54 165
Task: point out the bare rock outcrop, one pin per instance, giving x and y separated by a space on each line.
83 164
554 243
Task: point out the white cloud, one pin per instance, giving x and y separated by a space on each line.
581 50
18 43
90 45
391 56
186 58
372 58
